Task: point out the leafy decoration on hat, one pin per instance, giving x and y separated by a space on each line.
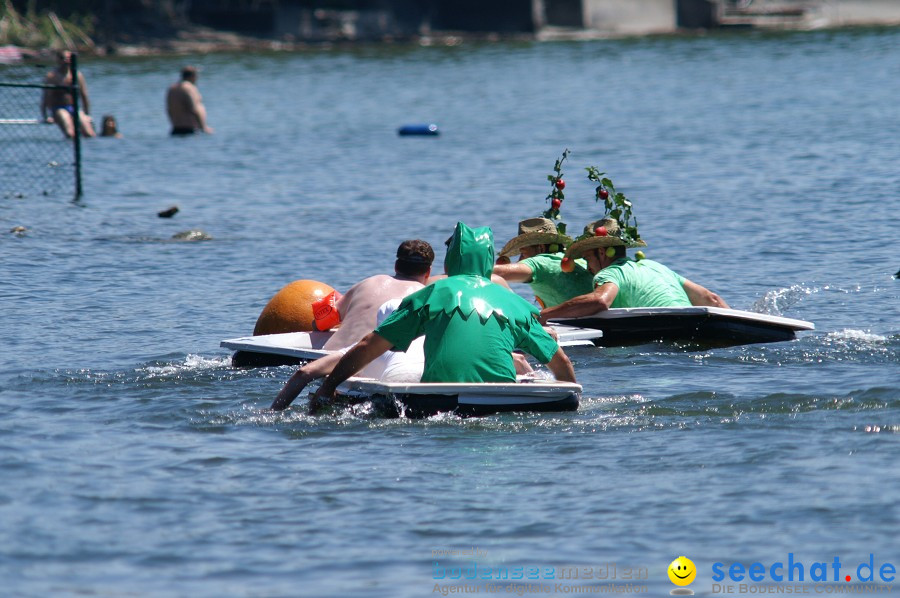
616 206
556 195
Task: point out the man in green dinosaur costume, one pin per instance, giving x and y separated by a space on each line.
471 325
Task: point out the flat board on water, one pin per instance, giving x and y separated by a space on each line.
713 326
421 399
308 345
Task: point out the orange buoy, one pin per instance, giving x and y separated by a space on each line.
290 310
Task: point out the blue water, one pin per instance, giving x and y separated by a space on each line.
136 462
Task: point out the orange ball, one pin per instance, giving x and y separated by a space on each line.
290 310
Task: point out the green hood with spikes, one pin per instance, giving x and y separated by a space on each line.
468 288
471 252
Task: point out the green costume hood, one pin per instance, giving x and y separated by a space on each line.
471 252
468 288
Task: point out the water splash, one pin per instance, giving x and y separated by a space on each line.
191 363
850 335
875 429
777 301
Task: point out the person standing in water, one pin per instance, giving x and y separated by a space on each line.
184 105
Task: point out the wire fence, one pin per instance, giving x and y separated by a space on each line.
35 158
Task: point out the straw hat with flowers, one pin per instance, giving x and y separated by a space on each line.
601 233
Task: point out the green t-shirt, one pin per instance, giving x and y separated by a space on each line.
466 349
643 283
554 286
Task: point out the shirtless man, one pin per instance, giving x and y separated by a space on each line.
358 309
185 105
58 105
471 326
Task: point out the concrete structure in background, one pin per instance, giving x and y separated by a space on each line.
842 13
629 17
641 17
321 20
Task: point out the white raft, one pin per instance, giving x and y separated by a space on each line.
293 347
420 399
708 326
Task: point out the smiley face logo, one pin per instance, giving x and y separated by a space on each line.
682 571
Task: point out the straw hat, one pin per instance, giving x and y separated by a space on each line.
534 231
591 240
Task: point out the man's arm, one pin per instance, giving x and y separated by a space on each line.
562 367
85 101
342 302
363 353
517 272
198 109
599 300
314 369
702 296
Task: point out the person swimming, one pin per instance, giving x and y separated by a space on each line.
109 127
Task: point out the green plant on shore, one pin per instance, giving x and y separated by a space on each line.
44 30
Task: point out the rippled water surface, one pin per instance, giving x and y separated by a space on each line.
136 462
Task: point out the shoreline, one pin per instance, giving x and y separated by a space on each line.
201 40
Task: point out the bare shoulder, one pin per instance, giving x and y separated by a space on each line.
497 279
370 281
510 270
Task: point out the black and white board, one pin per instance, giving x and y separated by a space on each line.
293 347
420 399
709 326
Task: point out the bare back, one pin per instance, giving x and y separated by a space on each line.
359 307
185 106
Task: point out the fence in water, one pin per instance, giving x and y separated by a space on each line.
35 157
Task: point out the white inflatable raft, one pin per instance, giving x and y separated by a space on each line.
292 347
415 400
708 326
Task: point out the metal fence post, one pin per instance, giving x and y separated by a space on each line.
76 90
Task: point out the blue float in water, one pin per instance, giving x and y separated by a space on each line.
425 129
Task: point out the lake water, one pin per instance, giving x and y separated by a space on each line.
136 462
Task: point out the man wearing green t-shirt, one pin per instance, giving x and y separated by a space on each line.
540 248
471 325
620 282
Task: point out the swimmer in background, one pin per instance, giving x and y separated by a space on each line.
109 127
58 105
184 104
